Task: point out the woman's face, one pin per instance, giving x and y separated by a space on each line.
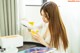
44 17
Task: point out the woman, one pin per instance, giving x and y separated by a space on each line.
55 34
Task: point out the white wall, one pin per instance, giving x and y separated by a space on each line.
70 15
71 19
30 13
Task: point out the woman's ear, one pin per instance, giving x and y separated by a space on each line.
47 15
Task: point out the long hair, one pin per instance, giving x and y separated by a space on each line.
56 26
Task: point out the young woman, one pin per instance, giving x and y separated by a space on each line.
56 33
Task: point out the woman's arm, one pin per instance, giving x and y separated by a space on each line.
38 38
42 41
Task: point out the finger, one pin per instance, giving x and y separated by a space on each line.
34 36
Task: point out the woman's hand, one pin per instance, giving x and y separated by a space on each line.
37 37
